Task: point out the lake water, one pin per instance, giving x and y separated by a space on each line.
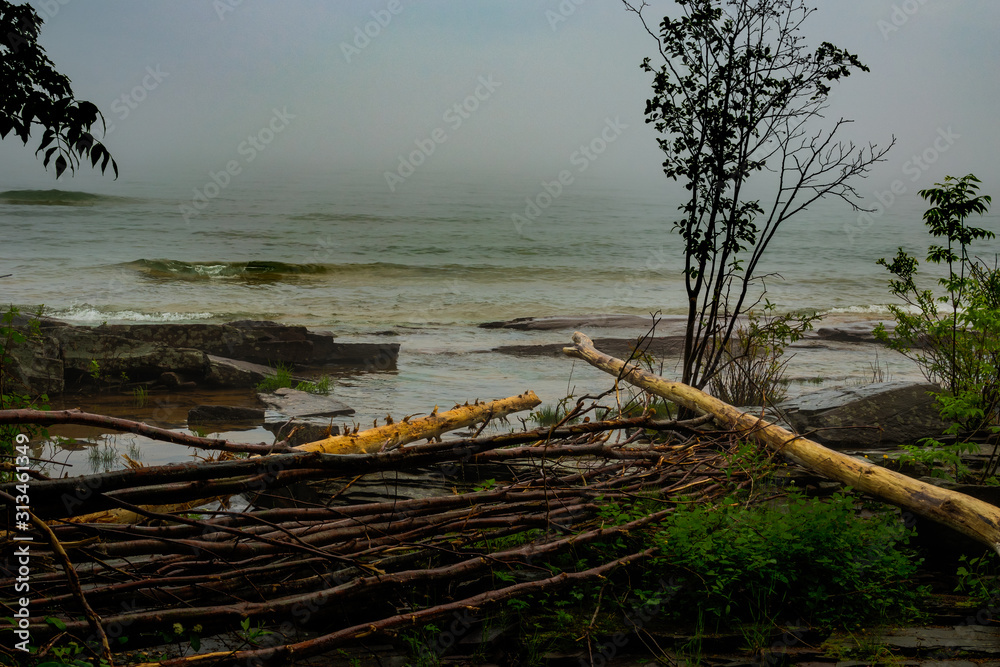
425 265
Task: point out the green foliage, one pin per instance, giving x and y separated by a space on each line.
809 558
13 395
140 396
734 92
420 644
179 635
978 576
282 379
70 655
94 370
954 337
252 634
35 94
942 459
548 415
752 369
320 386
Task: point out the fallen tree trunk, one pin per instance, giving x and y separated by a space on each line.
970 516
430 427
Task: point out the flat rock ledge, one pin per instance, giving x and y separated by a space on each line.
299 404
232 355
661 346
607 321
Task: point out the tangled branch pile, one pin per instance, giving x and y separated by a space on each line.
348 572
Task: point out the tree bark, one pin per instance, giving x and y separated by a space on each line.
970 516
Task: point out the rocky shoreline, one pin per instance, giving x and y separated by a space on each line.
65 358
239 355
77 360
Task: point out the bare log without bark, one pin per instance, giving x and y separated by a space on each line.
971 516
431 427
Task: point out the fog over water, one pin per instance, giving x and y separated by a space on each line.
369 166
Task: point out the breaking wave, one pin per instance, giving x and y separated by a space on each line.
93 314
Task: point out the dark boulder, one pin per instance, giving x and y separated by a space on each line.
883 414
89 351
265 342
36 366
237 354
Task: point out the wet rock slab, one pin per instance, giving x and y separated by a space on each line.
295 403
224 372
882 414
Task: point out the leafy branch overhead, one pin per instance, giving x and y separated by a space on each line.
735 93
33 94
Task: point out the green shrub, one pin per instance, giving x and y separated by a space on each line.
809 559
752 368
954 337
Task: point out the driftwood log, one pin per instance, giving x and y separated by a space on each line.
970 516
430 427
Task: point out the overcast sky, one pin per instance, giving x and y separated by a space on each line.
185 83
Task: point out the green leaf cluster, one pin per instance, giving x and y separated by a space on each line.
34 93
954 337
807 558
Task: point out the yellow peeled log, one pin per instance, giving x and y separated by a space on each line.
365 442
430 427
970 516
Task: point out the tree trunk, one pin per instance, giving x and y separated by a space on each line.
431 427
970 516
